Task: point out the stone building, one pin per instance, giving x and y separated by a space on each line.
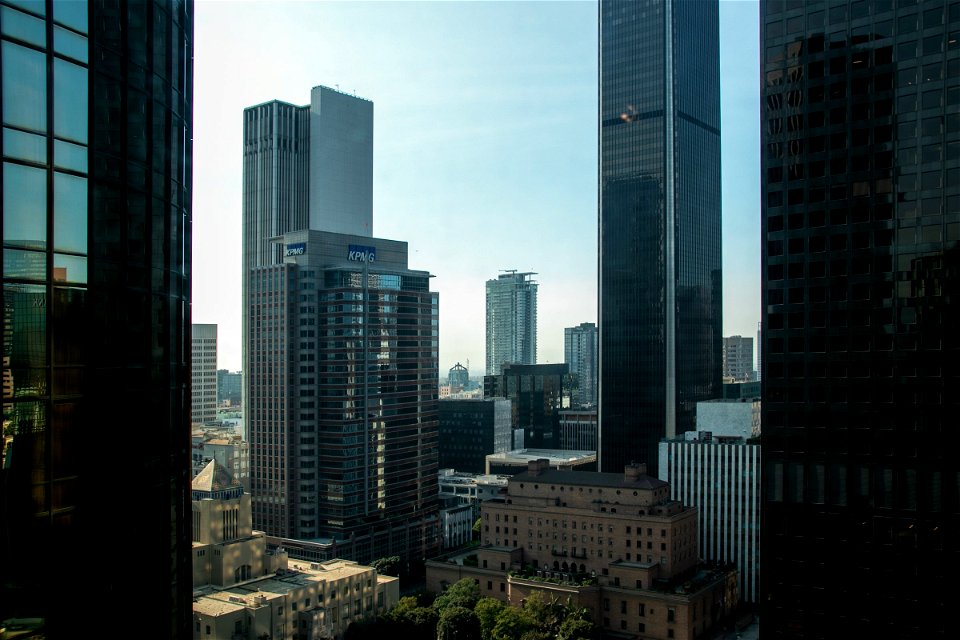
614 543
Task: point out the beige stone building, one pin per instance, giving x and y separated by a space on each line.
613 543
243 592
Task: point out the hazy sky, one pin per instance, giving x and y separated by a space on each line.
485 147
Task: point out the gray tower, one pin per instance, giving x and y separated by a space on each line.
304 167
511 321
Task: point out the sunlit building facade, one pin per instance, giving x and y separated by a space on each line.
343 371
659 264
511 321
96 205
861 353
203 374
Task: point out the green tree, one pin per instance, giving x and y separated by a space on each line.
512 623
548 614
387 566
577 627
487 610
476 529
458 623
464 593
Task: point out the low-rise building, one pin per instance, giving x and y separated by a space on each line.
242 591
223 444
516 461
616 544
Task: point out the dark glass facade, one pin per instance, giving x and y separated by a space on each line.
470 430
96 195
660 279
861 354
537 393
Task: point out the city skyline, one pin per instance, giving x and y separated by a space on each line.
477 150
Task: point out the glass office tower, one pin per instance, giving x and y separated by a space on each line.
660 282
343 379
94 458
861 255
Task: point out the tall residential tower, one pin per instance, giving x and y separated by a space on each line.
660 282
511 321
861 353
580 353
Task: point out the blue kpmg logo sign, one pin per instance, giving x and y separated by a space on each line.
296 249
360 253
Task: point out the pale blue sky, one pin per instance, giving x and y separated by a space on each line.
485 147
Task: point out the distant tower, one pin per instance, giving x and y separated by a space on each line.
203 377
459 376
511 321
737 359
580 350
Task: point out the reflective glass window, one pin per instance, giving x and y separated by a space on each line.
69 156
35 6
69 213
70 44
69 268
24 206
73 14
69 101
24 265
23 27
25 334
25 76
25 146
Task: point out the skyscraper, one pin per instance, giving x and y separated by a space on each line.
96 206
511 321
341 340
861 225
580 353
203 375
304 167
344 373
660 281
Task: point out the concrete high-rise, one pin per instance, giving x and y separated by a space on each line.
659 261
861 354
580 346
511 321
96 206
304 167
203 374
737 359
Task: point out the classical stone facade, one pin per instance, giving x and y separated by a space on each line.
613 543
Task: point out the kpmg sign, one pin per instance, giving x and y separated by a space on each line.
296 249
360 253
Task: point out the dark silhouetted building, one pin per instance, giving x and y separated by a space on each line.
861 352
659 262
97 181
537 392
471 429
